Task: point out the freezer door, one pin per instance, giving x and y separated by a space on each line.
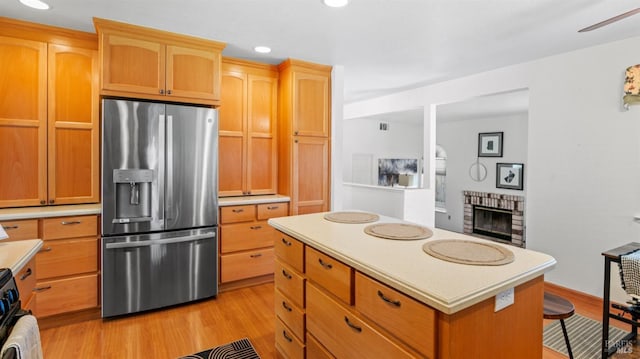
157 270
191 167
132 166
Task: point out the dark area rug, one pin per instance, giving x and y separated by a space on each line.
240 349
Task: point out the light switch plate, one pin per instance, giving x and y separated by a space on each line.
504 299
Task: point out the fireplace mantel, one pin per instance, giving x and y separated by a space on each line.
513 203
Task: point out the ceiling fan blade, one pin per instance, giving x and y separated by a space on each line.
611 20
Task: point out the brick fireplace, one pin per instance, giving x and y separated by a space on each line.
495 216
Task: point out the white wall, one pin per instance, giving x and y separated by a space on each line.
583 168
459 138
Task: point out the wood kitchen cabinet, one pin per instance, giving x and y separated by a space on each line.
147 63
304 135
49 139
247 129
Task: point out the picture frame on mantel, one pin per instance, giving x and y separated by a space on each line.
510 176
490 144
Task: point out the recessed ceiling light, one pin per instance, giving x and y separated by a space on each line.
36 4
336 3
262 49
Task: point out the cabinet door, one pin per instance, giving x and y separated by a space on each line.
310 175
73 125
232 157
121 73
310 105
261 148
23 116
191 72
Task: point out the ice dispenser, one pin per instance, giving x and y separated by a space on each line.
133 195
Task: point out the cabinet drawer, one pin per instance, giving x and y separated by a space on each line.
343 333
67 257
21 229
315 350
246 264
334 276
409 320
290 314
234 214
290 251
69 227
290 283
287 343
66 295
26 280
272 210
245 236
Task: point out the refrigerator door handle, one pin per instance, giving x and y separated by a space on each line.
193 238
161 170
169 170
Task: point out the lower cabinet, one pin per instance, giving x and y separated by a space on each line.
67 294
26 282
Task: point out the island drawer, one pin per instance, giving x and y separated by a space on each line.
287 343
26 280
407 319
315 350
246 264
343 333
290 314
69 227
234 214
290 283
290 251
67 257
67 295
272 210
21 229
334 276
245 236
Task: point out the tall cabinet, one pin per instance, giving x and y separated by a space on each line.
49 140
304 135
247 129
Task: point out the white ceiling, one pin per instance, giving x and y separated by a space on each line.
384 45
494 105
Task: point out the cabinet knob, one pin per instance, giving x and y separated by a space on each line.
168 92
162 91
43 202
295 141
51 201
295 133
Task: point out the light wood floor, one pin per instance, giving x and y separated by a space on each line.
247 312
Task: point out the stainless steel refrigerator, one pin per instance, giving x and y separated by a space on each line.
159 205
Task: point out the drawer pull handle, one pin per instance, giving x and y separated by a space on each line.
392 302
42 289
48 249
26 274
257 255
271 208
7 228
288 338
325 265
286 242
354 327
256 227
286 275
65 223
237 210
286 306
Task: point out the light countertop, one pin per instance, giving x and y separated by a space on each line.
9 214
15 254
239 201
403 265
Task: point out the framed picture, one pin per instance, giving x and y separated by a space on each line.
490 144
509 175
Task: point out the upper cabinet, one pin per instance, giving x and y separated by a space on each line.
49 128
147 63
248 140
310 115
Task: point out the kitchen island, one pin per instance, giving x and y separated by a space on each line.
391 297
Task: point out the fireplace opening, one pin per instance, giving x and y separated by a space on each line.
492 222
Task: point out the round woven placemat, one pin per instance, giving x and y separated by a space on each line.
351 217
468 252
398 231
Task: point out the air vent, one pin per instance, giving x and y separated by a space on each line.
384 126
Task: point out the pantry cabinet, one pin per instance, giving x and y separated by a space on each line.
304 135
146 63
247 129
49 135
